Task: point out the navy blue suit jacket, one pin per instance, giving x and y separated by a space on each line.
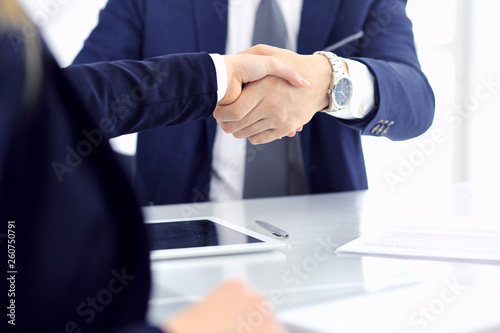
80 249
375 32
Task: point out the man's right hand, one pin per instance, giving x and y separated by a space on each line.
245 68
271 108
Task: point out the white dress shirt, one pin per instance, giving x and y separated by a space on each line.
228 164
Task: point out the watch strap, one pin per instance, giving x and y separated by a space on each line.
338 71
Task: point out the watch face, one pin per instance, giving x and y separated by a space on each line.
343 92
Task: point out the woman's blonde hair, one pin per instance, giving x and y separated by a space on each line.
11 13
18 29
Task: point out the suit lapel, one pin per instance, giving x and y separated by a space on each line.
211 24
317 20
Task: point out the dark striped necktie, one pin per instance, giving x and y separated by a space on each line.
275 168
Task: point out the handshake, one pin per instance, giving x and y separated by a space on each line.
272 93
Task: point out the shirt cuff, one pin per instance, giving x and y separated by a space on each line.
363 97
221 72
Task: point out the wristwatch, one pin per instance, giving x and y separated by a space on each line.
340 90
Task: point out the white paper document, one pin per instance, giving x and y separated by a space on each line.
398 311
430 242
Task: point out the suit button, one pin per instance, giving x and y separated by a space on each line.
382 126
376 128
388 127
381 129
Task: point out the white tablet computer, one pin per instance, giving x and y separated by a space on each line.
208 236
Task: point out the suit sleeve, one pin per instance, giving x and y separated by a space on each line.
404 100
129 96
95 200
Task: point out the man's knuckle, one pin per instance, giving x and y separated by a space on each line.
255 140
259 48
234 113
274 62
238 135
226 127
282 119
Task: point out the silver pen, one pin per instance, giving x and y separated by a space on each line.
274 230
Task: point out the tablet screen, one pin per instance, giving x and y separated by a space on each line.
194 233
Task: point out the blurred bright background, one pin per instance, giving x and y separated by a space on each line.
459 50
